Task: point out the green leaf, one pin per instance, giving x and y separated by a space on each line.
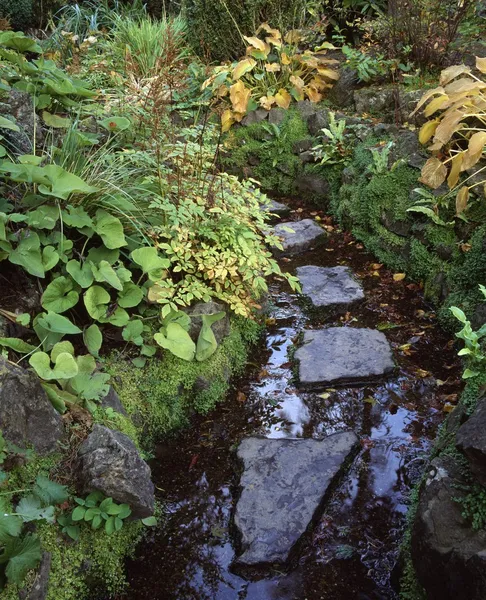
97 521
57 323
20 42
65 366
119 318
206 343
133 332
28 256
150 262
25 554
149 521
73 532
177 341
43 217
96 300
61 347
125 511
110 229
90 386
63 184
59 295
58 397
105 272
17 345
93 339
459 314
148 350
23 319
55 120
81 273
130 296
105 505
10 526
118 523
50 258
30 509
115 124
7 124
78 513
96 255
110 526
139 362
77 217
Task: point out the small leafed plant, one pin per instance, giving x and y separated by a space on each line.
273 73
457 129
333 149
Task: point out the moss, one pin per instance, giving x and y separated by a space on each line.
410 589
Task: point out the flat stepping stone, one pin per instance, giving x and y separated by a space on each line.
341 355
276 208
298 236
330 288
283 485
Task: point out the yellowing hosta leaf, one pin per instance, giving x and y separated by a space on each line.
329 73
283 98
293 37
435 105
297 82
273 32
272 67
461 199
465 84
399 276
240 97
448 126
227 119
433 173
456 168
313 94
284 59
481 64
244 66
428 130
255 42
267 102
277 42
427 96
452 72
222 91
475 149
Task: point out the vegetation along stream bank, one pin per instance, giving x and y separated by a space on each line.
242 300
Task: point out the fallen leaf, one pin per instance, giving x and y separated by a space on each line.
399 276
241 397
324 396
422 373
376 266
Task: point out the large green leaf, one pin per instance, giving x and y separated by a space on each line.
27 255
96 300
43 217
16 40
30 509
150 262
93 339
65 366
10 526
63 184
81 273
133 332
131 295
17 345
23 554
50 258
119 318
206 342
110 229
100 253
115 124
105 272
59 295
55 120
57 323
7 124
60 347
177 340
76 216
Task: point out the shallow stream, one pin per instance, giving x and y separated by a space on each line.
352 550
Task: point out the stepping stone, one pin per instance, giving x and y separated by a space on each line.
341 355
283 485
302 236
276 208
330 288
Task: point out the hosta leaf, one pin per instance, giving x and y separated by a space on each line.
451 73
25 554
96 300
481 64
246 64
65 366
63 183
462 199
177 341
227 119
239 96
59 295
428 130
283 98
110 229
93 339
434 173
475 150
456 168
81 273
130 296
17 345
448 126
150 262
27 255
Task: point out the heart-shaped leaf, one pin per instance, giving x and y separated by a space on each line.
59 295
150 262
80 272
176 340
110 229
105 272
65 366
96 300
27 255
62 183
131 295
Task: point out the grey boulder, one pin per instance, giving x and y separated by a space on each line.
109 462
27 417
448 555
298 236
283 485
341 355
471 439
276 208
332 288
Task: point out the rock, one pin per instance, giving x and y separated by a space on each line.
112 400
20 105
221 328
40 587
340 355
348 176
312 185
317 121
27 417
385 129
341 93
448 555
276 116
401 228
302 146
304 235
375 101
255 116
330 288
283 485
109 462
277 208
307 157
306 108
417 161
471 439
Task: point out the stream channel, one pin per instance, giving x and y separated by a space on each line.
352 549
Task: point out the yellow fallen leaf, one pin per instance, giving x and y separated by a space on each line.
399 276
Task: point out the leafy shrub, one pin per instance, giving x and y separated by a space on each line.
457 130
273 72
18 12
216 27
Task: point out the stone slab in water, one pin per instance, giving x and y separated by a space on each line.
340 355
276 208
298 236
330 288
283 485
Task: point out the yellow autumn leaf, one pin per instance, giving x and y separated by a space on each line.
449 125
293 36
313 94
465 84
274 41
284 59
329 73
435 105
283 98
481 64
273 32
244 66
239 96
427 96
255 42
297 82
462 199
456 168
475 149
452 72
267 102
433 173
399 276
428 130
272 67
222 91
227 119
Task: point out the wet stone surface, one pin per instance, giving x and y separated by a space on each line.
276 208
331 288
283 484
340 355
298 236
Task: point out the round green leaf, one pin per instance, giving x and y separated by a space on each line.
78 513
59 295
110 229
93 339
96 300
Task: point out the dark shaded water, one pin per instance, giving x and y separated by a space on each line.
352 551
